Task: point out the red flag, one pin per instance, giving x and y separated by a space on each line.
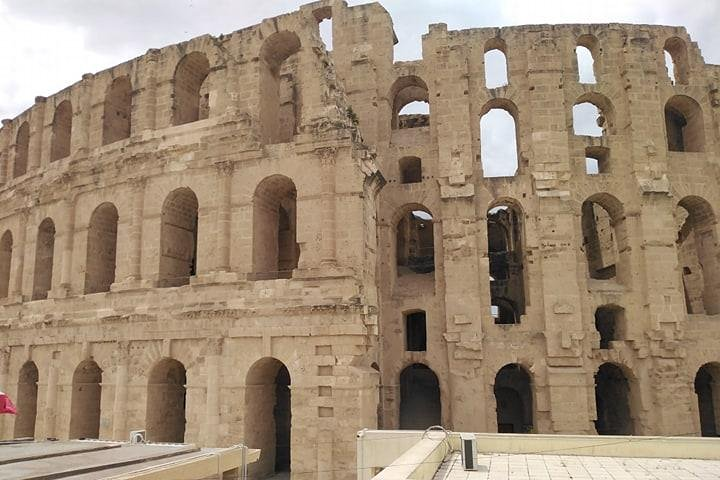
6 405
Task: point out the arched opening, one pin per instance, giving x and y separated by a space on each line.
116 110
410 103
101 249
498 141
85 404
178 238
22 145
604 237
44 255
610 324
275 248
268 416
496 72
410 170
415 331
420 405
6 247
697 247
61 131
280 93
613 402
684 125
165 413
26 401
707 389
588 120
676 61
415 246
191 99
586 50
513 399
506 257
325 26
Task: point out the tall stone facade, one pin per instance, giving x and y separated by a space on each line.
244 239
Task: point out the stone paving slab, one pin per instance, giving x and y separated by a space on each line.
566 467
22 451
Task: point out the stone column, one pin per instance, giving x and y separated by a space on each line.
7 151
36 133
19 258
212 402
120 406
327 227
51 398
4 366
224 215
67 248
136 221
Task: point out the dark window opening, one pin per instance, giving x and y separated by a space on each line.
697 248
505 252
178 238
601 250
513 400
612 399
609 322
420 405
410 170
707 389
415 332
191 97
415 243
684 125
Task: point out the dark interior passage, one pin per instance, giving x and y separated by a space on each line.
612 399
419 398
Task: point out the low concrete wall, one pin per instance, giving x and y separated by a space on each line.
403 454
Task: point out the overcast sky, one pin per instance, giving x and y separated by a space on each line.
46 45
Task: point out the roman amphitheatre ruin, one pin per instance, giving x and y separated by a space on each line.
245 239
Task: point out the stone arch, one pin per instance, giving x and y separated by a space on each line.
684 125
587 53
85 403
677 50
506 254
513 391
605 238
410 170
615 392
165 412
190 100
6 249
420 403
275 248
280 88
707 389
605 117
268 415
498 119
27 395
495 61
697 247
61 131
117 110
101 249
414 240
178 238
22 146
405 90
44 257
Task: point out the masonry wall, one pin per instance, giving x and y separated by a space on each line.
285 170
